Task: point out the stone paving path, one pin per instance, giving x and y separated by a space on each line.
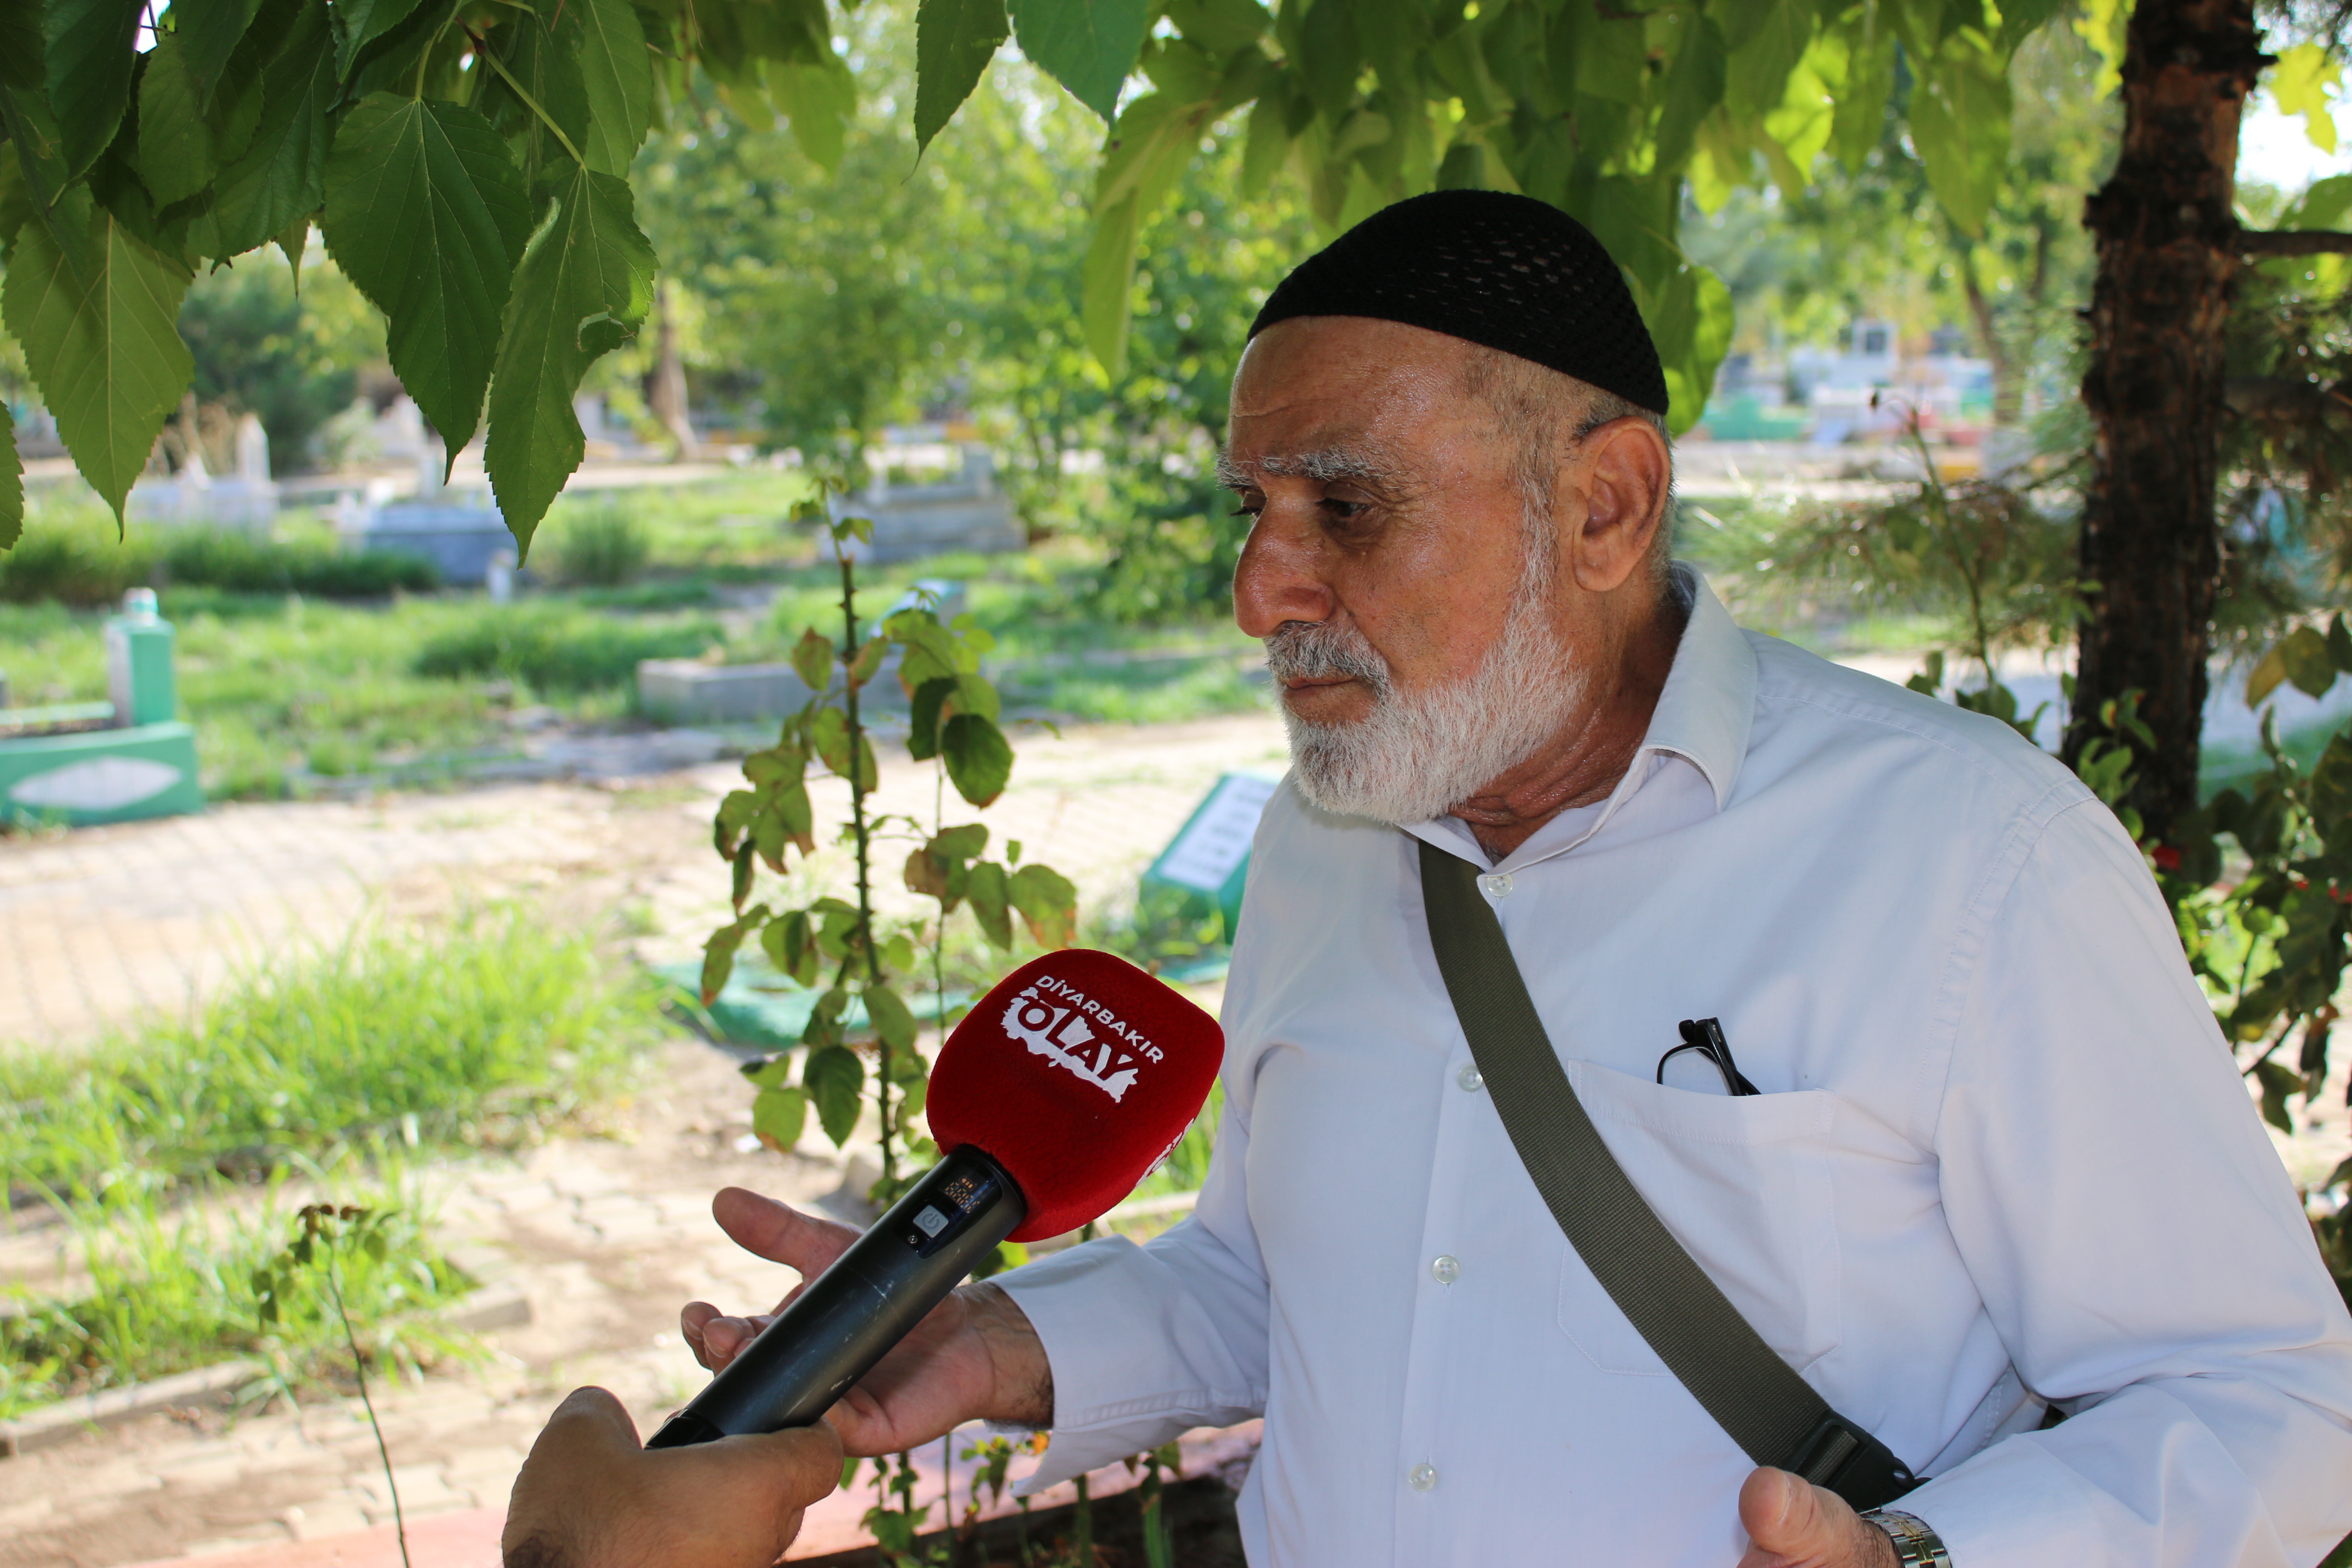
99 925
606 1239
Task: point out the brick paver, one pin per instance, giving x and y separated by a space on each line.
99 925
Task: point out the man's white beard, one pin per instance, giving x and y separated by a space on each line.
1416 755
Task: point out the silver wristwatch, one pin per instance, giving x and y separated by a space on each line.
1915 1545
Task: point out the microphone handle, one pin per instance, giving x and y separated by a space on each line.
868 1301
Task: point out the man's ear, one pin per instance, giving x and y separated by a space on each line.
1622 471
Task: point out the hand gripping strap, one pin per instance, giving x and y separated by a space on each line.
1773 1415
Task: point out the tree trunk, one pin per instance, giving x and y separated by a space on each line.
2167 239
668 399
2008 374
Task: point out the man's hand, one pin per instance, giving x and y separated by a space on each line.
1791 1524
591 1496
975 1356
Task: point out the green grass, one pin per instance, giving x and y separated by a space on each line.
288 690
172 1291
487 1033
484 1034
280 687
561 649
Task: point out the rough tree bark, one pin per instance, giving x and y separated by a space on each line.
2168 250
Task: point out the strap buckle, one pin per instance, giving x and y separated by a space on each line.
1849 1461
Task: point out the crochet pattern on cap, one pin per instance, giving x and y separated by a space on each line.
1505 271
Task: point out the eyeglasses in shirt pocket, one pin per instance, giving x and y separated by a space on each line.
1743 1184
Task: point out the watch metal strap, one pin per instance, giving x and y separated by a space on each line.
1775 1416
1916 1545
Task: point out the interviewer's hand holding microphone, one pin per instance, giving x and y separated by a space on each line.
1063 1086
1052 1100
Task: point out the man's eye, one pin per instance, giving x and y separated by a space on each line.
1346 511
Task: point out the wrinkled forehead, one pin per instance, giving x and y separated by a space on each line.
1329 398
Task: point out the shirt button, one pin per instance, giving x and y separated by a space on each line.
1422 1478
1497 884
1470 1080
1446 1271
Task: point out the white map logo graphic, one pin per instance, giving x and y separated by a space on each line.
1078 1033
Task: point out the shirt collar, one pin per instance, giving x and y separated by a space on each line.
1704 714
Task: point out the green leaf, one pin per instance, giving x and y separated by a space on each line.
869 659
1960 125
281 176
734 815
1268 142
812 659
1860 118
829 732
954 41
932 651
89 50
539 45
620 81
1048 903
176 154
745 868
1695 85
359 23
2278 1080
925 716
960 843
891 1020
771 1071
991 896
1088 45
210 31
719 951
820 101
835 1079
1330 57
778 1115
12 481
979 758
291 245
2265 677
426 213
1108 277
2308 662
2300 87
1221 26
789 948
1757 74
100 333
582 291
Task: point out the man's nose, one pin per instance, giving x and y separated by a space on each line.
1276 583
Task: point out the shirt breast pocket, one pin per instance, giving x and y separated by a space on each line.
1744 1185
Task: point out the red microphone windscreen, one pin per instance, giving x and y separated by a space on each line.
1075 1074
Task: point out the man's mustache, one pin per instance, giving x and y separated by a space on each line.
1318 650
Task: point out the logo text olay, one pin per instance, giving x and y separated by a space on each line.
1059 1021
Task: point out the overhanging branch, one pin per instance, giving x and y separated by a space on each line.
2260 245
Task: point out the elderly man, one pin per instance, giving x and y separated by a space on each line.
1983 1175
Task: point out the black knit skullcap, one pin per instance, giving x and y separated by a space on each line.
1505 271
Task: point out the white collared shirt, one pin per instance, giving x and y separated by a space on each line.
2001 1156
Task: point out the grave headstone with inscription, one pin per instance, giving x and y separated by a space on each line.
1208 860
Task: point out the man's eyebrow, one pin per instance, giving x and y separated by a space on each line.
1329 464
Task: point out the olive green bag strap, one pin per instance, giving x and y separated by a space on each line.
1773 1415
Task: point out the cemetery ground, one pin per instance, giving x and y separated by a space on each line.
562 1231
295 694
